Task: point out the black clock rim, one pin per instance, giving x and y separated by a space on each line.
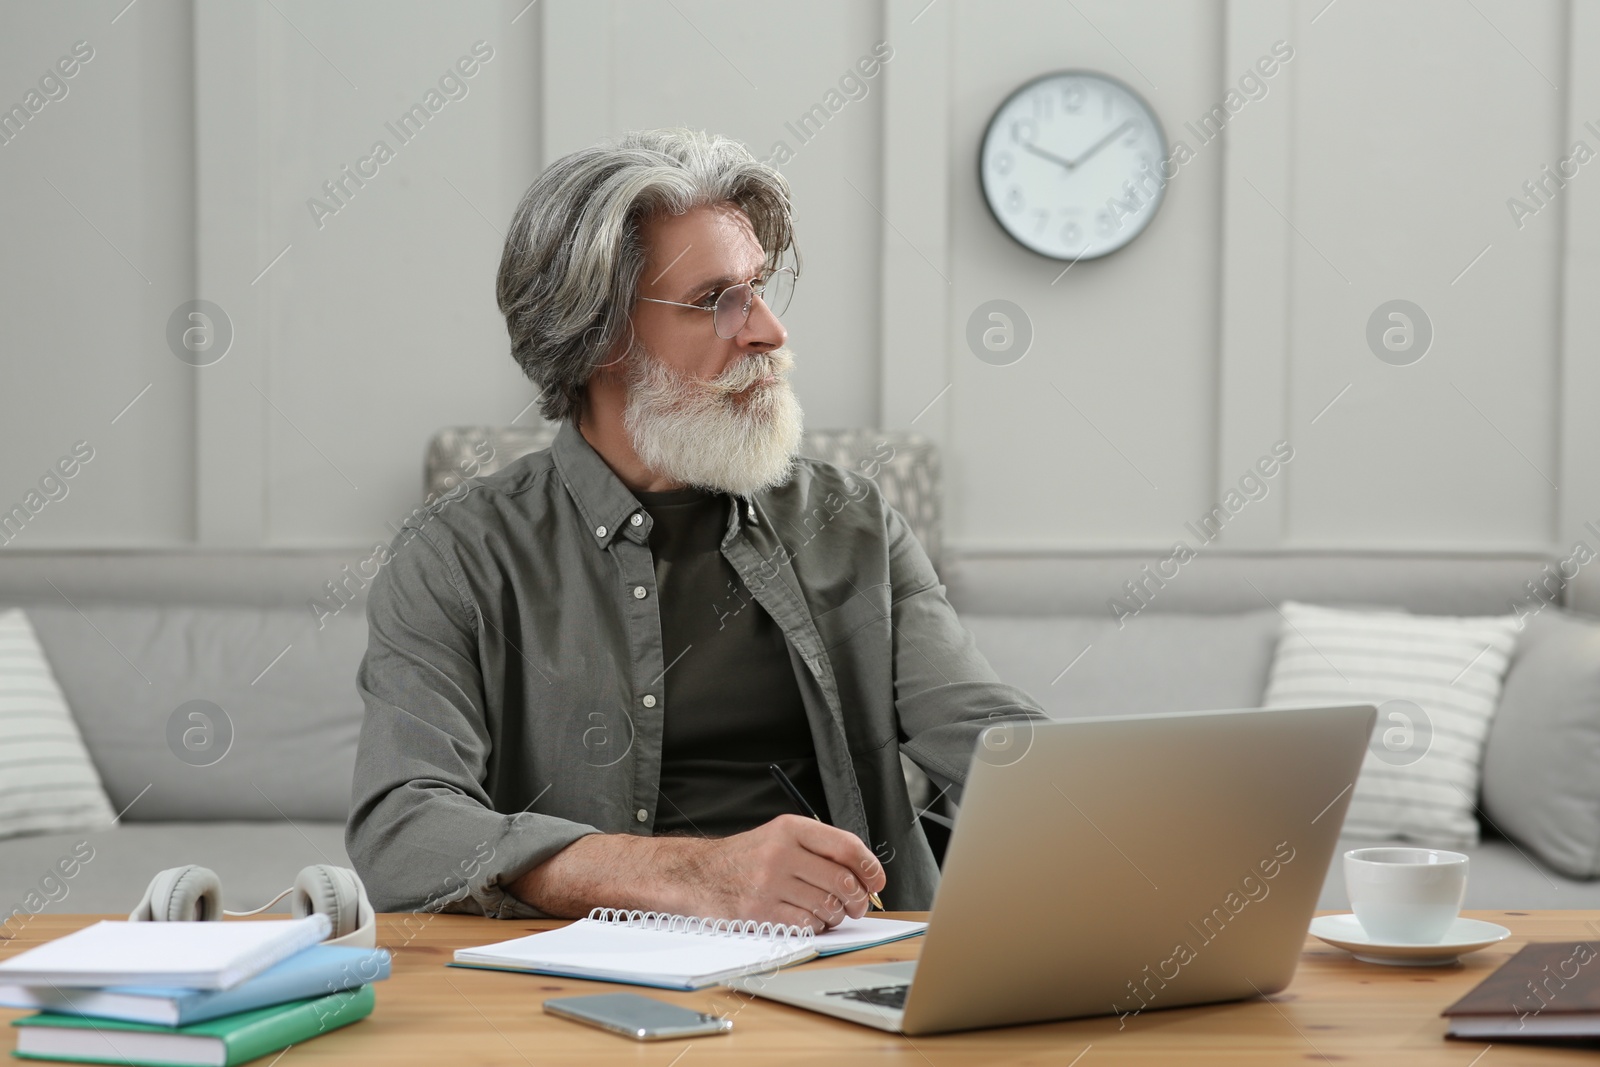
983 139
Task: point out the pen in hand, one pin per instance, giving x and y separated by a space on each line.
805 807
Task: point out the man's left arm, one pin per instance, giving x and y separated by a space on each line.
945 692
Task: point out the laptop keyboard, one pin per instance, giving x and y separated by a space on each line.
884 996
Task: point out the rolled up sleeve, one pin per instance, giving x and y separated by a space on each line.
423 832
946 693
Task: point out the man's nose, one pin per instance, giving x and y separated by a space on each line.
763 330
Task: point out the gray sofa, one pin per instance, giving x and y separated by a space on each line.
133 636
147 633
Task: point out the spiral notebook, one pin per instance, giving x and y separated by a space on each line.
675 951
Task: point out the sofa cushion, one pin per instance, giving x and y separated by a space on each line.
1076 665
213 713
47 781
1541 764
1435 680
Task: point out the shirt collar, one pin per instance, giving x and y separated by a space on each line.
607 507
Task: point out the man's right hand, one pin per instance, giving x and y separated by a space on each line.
790 870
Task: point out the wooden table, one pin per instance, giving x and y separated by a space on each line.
1337 1010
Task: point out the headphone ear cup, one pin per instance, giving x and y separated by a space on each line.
181 894
321 889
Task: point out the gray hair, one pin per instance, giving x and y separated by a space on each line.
570 272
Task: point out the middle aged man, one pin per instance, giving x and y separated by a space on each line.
580 669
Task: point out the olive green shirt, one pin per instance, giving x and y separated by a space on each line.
513 678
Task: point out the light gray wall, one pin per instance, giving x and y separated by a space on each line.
1113 405
363 330
1398 183
1378 166
96 247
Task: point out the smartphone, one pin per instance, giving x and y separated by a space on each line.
641 1018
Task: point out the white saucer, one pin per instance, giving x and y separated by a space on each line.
1464 936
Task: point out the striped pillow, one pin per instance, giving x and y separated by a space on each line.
47 781
1436 682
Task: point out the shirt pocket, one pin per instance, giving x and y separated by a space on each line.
863 609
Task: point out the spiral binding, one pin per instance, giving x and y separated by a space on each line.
694 924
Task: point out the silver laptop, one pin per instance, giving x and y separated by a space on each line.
1116 865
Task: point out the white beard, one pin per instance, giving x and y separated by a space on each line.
701 433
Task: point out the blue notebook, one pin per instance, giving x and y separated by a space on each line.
312 972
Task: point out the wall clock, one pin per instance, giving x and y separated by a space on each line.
1071 165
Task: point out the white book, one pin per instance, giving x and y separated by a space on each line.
675 951
190 955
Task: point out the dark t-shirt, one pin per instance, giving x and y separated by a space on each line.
732 703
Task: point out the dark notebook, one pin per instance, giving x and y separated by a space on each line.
1550 989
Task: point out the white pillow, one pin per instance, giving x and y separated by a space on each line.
47 781
1435 680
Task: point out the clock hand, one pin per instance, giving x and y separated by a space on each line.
1069 164
1101 143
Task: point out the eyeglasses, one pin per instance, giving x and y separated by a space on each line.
732 307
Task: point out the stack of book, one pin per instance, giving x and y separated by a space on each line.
217 993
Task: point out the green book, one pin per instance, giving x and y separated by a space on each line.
221 1042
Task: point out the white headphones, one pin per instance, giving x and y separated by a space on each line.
189 894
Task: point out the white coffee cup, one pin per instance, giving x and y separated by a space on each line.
1408 895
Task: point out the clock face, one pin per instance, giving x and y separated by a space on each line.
1071 165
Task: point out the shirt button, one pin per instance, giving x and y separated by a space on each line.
649 700
637 520
641 815
639 592
599 531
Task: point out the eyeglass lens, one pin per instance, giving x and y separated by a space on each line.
733 305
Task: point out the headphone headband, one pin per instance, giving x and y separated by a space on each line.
194 894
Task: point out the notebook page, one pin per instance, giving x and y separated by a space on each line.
590 946
859 933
